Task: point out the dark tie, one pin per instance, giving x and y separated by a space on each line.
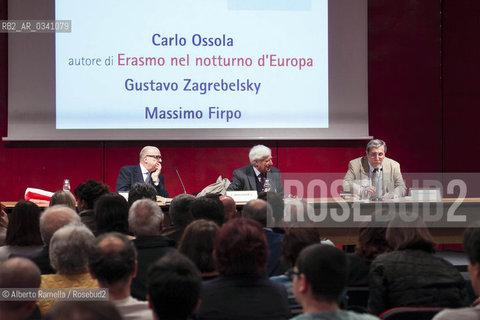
149 178
375 182
262 179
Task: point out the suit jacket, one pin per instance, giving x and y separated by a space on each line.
359 170
244 179
129 175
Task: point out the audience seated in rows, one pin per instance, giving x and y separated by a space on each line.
19 273
52 219
208 207
113 262
111 214
197 244
70 247
141 191
83 310
471 245
318 282
87 194
260 211
63 197
370 244
181 216
242 291
174 286
145 219
411 275
23 232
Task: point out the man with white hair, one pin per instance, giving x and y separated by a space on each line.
261 168
147 171
145 219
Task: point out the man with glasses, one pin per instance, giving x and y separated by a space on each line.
375 174
147 171
260 175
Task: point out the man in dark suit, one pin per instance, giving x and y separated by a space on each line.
147 171
261 168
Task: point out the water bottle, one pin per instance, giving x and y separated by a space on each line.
267 186
66 185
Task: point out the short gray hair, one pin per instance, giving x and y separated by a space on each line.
54 218
145 217
376 143
145 150
69 249
259 152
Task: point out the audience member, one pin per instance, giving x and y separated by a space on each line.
83 310
63 197
69 250
174 286
111 214
278 206
3 226
141 191
371 243
10 272
229 208
259 210
51 220
209 208
197 244
113 262
242 291
146 222
319 279
181 216
87 194
471 245
411 275
23 232
294 241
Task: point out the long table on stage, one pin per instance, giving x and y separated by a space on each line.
444 231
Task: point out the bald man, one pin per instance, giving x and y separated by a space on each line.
147 171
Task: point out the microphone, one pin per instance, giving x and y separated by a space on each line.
183 186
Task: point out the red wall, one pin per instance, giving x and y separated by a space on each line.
423 99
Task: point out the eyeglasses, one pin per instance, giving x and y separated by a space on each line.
291 273
155 156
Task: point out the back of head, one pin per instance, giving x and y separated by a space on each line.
24 225
258 210
259 152
471 243
325 269
112 258
208 208
54 218
141 191
111 214
69 249
173 286
63 197
229 207
295 240
275 200
404 232
180 209
197 244
18 273
145 218
241 248
372 237
83 310
90 191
